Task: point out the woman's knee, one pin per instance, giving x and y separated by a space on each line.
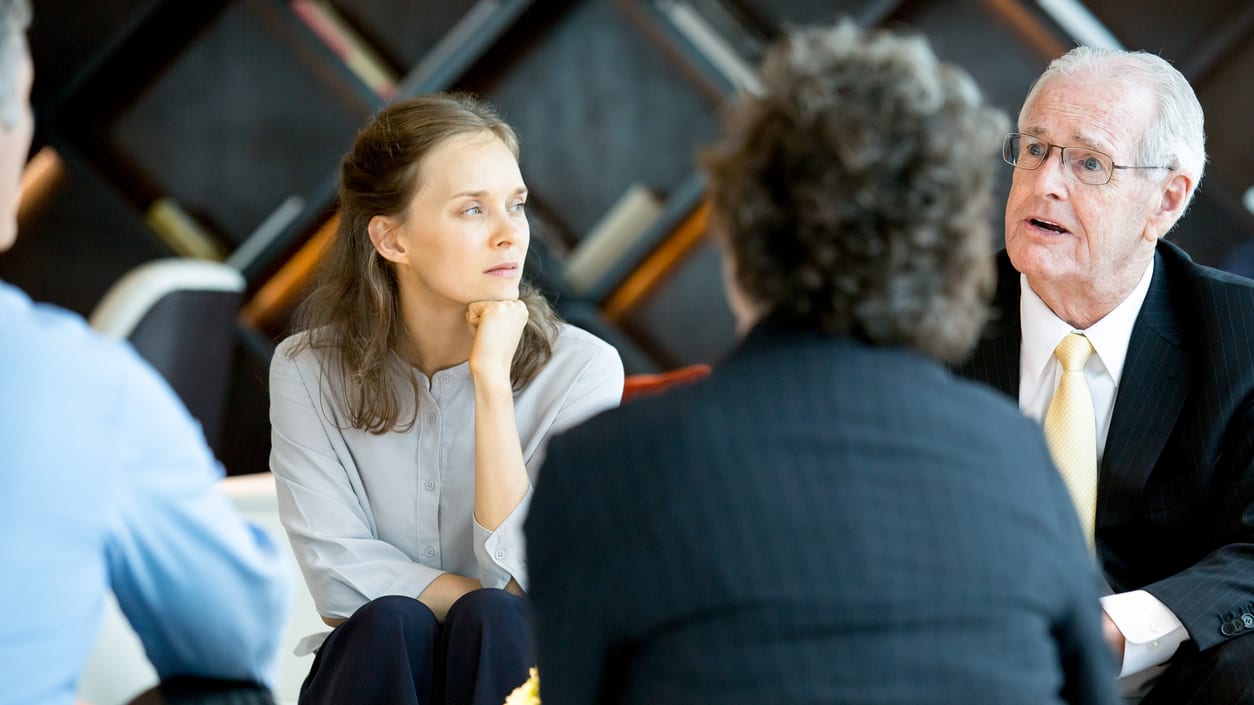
394 612
487 605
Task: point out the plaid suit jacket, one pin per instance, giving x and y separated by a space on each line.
818 521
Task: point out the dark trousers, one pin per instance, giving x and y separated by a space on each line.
186 690
393 651
1222 675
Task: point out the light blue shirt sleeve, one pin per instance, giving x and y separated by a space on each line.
107 482
203 588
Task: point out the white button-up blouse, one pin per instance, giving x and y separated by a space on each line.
371 515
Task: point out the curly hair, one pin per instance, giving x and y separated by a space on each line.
854 190
353 313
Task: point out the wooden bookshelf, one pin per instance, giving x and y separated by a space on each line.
236 113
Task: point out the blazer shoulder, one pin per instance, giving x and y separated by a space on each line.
1219 302
1179 264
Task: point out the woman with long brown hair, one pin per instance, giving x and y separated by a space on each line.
411 411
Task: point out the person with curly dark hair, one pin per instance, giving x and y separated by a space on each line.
830 516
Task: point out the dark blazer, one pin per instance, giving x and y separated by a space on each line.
1175 505
818 521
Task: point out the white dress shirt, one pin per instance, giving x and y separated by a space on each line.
1152 631
385 514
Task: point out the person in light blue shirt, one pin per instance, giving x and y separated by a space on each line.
107 484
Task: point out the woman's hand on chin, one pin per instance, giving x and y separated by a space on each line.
498 327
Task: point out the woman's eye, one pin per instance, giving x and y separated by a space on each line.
473 210
518 207
1092 164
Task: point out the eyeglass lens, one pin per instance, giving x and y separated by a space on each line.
1027 152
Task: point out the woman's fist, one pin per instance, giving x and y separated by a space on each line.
498 327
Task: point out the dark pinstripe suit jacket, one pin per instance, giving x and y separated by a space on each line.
816 522
1175 506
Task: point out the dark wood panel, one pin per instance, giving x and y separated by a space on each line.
245 117
404 32
685 319
1165 27
1228 100
778 15
67 37
599 104
76 237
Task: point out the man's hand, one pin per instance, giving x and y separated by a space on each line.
1113 637
498 327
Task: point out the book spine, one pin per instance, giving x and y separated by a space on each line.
612 237
716 48
180 231
327 23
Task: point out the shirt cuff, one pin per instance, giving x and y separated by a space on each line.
501 554
1151 630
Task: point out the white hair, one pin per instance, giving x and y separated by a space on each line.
1175 135
14 18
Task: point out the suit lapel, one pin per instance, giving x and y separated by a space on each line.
995 360
1153 387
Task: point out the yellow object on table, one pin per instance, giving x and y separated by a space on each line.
528 693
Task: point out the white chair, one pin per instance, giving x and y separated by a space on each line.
180 315
117 670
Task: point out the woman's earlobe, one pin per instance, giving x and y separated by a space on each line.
382 231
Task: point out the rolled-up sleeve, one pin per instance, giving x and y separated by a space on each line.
596 387
501 554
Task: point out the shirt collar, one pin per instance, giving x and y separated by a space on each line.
1042 329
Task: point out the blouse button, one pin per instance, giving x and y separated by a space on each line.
429 484
500 555
431 418
430 551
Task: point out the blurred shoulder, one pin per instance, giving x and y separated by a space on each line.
575 342
1178 262
580 354
42 340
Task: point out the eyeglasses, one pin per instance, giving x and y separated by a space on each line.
1084 165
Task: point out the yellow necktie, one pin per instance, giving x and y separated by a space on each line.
1071 431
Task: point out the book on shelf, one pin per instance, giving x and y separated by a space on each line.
678 245
720 36
612 237
274 302
357 54
182 233
467 30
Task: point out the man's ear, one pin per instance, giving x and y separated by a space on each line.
1174 198
383 231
